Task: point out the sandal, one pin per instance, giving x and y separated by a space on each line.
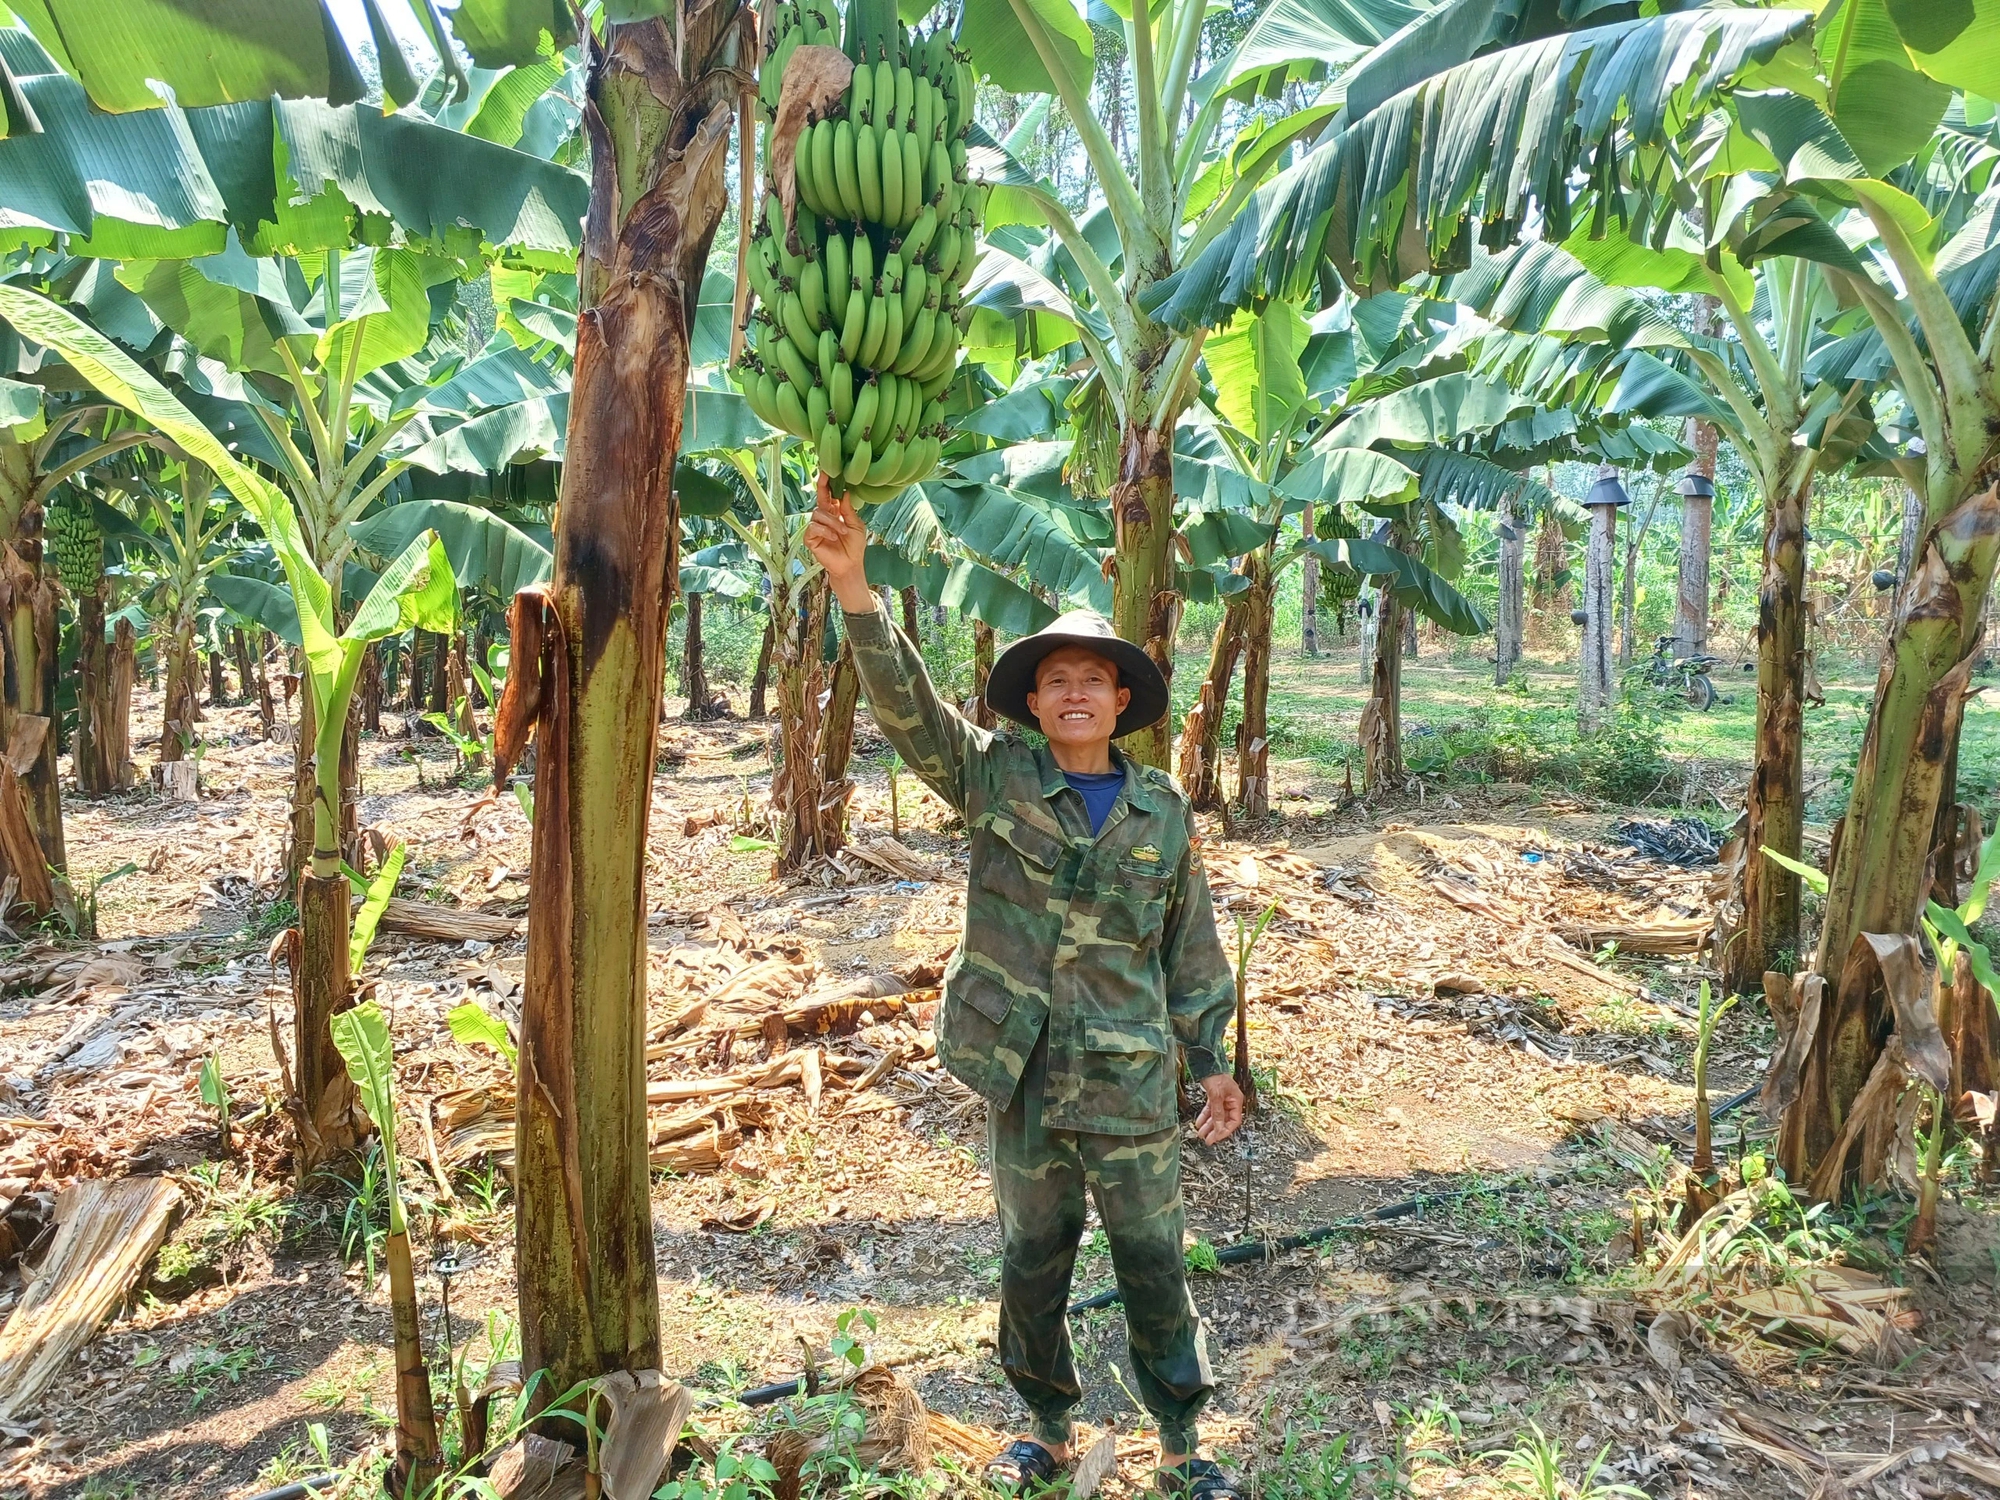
1022 1466
1196 1479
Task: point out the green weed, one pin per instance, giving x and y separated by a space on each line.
1533 1467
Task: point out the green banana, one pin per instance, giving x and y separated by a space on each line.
855 323
791 411
938 168
861 259
861 96
913 180
765 403
878 325
793 363
885 90
829 447
925 117
789 262
822 169
816 408
917 346
892 334
845 184
806 227
892 271
840 392
828 350
884 426
909 401
957 155
922 231
834 254
946 255
906 98
914 282
812 294
868 167
936 383
856 469
792 315
892 178
885 465
867 401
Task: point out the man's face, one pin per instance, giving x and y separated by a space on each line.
1077 699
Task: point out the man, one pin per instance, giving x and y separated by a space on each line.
1089 950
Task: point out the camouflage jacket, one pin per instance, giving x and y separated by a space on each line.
1109 942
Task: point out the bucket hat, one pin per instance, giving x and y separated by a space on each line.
1013 675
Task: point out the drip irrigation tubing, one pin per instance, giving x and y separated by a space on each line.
304 1489
1270 1249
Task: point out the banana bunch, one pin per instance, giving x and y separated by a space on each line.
76 545
859 310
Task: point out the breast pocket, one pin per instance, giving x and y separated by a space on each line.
1135 903
1016 862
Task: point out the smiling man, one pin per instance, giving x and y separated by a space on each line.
1089 953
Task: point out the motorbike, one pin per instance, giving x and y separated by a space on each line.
1686 676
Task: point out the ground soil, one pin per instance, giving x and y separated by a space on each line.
1413 1035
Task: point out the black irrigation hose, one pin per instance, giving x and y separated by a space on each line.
305 1489
1254 1250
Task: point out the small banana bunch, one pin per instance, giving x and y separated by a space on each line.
75 544
858 315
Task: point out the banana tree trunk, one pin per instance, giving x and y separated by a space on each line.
371 689
982 668
267 708
796 788
124 673
1776 800
1308 589
836 750
1145 604
660 100
1508 617
180 711
441 684
694 672
1879 873
218 681
760 679
239 648
1253 743
90 751
907 597
1201 730
28 640
415 701
1382 716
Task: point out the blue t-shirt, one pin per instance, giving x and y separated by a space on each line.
1099 791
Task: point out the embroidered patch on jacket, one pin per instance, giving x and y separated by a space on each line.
1147 853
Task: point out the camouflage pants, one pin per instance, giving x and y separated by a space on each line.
1039 1180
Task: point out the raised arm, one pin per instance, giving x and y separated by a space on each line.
934 739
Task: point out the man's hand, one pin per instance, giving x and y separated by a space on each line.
1222 1115
837 538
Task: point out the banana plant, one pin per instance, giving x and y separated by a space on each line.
416 589
1790 423
168 512
361 1035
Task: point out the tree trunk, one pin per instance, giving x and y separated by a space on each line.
795 786
1308 588
239 648
180 710
267 708
1253 744
415 701
327 1114
836 750
1370 632
1201 729
442 684
371 689
1146 607
1409 635
1628 600
1507 620
1382 715
982 667
118 727
694 675
1593 704
28 644
1879 872
463 717
908 599
761 678
1775 802
1697 524
90 752
1550 600
661 98
218 681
